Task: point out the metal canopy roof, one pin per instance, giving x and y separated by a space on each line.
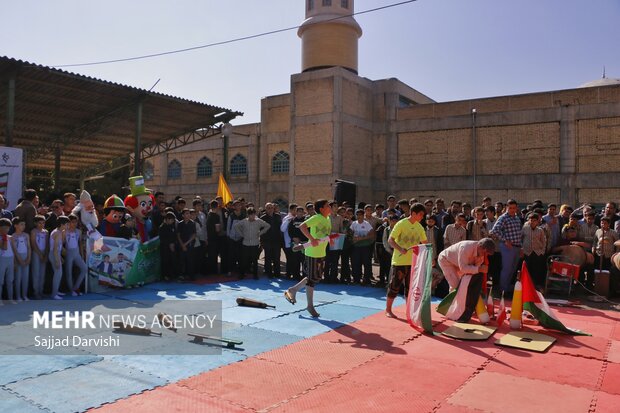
93 121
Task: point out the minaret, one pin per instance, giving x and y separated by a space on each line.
329 35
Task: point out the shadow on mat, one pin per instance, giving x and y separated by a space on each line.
361 339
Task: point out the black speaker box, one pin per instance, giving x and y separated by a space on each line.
345 191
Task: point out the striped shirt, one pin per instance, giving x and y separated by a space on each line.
586 232
476 230
453 235
508 228
534 240
604 242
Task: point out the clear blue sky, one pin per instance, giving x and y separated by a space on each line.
446 49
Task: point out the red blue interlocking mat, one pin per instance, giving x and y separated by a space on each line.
378 364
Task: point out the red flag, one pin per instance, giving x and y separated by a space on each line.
501 317
529 291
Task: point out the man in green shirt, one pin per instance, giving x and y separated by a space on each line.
406 233
314 228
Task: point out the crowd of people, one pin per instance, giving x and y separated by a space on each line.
40 244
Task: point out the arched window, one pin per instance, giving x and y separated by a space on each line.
204 168
310 5
148 171
344 4
280 163
327 3
174 169
238 165
282 203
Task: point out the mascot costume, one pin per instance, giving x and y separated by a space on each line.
140 204
113 209
85 211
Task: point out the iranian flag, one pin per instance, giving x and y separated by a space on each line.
535 303
419 297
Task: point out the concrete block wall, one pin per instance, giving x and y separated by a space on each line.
598 145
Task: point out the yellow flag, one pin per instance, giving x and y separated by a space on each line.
223 190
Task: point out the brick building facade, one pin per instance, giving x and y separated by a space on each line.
558 146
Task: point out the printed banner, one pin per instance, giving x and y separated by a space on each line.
11 175
121 263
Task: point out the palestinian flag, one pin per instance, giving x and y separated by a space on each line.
419 296
535 303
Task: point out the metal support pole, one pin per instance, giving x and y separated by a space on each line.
10 112
57 167
226 132
137 164
226 157
474 156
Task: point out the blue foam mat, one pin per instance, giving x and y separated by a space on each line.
93 381
15 368
344 313
12 403
299 324
248 315
258 340
85 386
175 368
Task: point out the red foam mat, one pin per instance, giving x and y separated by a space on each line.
172 398
500 393
341 396
255 383
446 350
607 403
614 352
558 368
607 317
321 356
413 376
611 380
449 408
584 346
382 334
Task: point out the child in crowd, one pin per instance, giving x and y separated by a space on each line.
534 247
250 229
56 240
167 245
603 244
39 247
186 235
7 260
128 229
297 237
363 241
73 257
198 249
21 248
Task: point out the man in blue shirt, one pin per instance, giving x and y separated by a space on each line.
509 231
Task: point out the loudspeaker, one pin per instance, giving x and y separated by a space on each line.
345 191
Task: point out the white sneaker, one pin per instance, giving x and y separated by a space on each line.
74 294
61 294
26 299
13 302
57 297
